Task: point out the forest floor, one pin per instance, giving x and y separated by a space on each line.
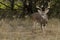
19 29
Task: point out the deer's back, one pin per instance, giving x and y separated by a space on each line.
36 17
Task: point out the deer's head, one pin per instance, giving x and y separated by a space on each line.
43 12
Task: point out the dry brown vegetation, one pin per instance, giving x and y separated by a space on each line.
19 29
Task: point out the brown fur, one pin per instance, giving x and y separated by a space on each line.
37 16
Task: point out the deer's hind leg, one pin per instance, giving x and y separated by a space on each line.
43 27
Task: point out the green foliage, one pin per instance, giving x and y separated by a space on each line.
7 3
2 6
54 10
20 4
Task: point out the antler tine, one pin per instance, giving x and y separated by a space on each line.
38 7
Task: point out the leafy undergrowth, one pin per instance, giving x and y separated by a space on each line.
18 29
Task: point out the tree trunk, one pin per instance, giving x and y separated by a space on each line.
12 4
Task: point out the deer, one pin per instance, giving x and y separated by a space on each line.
40 17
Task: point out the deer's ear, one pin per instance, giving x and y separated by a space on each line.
39 11
46 11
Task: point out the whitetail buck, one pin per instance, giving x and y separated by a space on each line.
41 17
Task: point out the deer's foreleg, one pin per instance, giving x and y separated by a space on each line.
43 27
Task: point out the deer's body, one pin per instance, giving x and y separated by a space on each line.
37 17
40 17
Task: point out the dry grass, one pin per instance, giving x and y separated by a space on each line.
18 29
